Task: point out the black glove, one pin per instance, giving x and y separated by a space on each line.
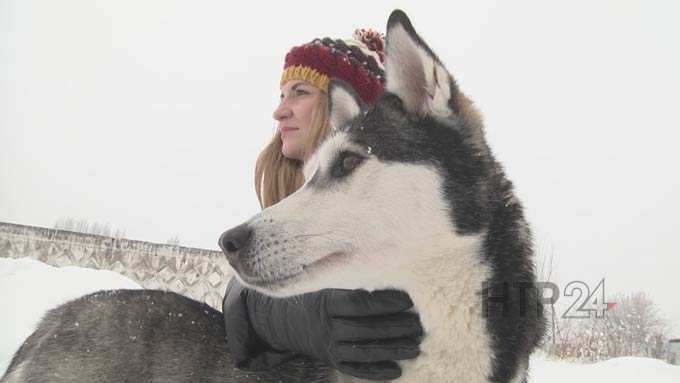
360 333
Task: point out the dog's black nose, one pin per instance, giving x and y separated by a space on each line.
234 240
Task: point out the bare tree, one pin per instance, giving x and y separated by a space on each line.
631 327
119 233
173 241
83 226
100 229
65 223
546 273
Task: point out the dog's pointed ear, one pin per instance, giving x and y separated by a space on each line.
344 104
414 73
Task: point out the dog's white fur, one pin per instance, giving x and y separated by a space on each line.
344 107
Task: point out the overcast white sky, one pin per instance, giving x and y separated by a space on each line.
148 115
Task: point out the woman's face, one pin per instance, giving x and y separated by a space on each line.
294 116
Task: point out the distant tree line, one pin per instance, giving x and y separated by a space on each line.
86 227
632 327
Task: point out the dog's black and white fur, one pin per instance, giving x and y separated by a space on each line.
404 195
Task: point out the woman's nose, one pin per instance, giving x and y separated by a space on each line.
282 112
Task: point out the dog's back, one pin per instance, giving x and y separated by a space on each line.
138 336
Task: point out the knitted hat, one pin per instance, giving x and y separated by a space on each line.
357 61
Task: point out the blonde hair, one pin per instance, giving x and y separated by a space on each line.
276 176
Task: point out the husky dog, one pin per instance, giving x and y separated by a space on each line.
408 195
404 195
139 336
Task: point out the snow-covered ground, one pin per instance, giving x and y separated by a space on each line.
617 370
29 288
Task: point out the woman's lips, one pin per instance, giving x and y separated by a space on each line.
288 130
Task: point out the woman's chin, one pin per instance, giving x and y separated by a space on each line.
291 151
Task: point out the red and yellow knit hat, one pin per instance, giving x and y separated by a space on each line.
357 61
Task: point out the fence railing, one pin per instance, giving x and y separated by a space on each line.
197 273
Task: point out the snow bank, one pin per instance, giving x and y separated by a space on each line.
29 288
617 370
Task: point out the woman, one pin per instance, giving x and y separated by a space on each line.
359 333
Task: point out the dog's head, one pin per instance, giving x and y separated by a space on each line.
393 185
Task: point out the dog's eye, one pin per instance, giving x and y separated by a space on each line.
350 162
346 163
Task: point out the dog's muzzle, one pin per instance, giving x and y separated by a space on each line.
234 241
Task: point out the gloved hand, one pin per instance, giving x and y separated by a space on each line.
359 333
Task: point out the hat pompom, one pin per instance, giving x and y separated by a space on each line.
374 40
